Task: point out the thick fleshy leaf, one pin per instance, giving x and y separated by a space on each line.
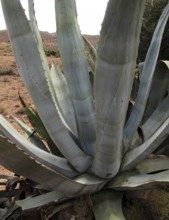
91 57
13 211
130 181
145 80
156 119
53 162
163 147
67 119
140 67
135 86
107 205
38 38
137 155
153 165
32 114
30 134
34 120
34 202
153 123
39 127
3 212
32 70
75 66
160 83
91 48
63 99
116 63
24 165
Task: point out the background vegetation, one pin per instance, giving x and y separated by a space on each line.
152 13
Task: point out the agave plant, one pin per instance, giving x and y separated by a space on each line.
104 150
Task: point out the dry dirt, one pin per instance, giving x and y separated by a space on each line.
10 86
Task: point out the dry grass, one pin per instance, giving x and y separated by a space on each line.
5 49
4 109
7 65
5 71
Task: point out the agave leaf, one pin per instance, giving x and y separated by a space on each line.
3 212
30 203
92 81
140 67
39 128
160 83
92 57
83 184
35 120
107 205
38 38
89 178
63 98
130 181
156 119
40 200
114 75
57 196
92 70
91 48
32 70
25 165
12 211
154 122
146 80
135 86
49 78
163 147
31 135
75 66
153 165
137 155
34 27
53 162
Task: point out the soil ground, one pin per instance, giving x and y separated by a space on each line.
10 86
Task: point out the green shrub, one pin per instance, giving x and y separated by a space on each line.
5 71
153 10
52 53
